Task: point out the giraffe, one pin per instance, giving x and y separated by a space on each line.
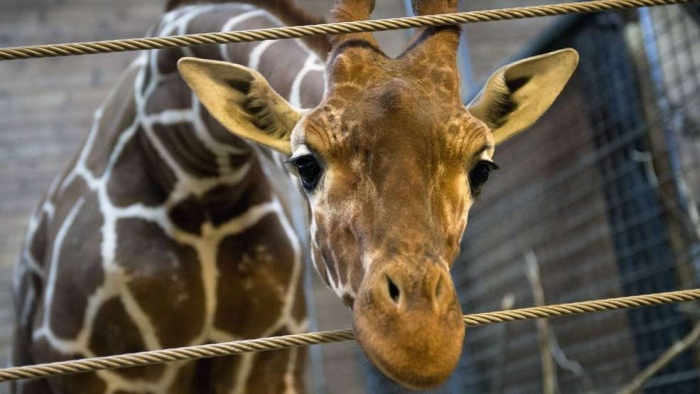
166 230
177 225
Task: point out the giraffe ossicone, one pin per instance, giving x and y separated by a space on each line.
390 162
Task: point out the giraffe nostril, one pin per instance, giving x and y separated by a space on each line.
394 291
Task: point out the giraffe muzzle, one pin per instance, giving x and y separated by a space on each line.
409 322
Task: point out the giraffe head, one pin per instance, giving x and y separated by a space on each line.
391 162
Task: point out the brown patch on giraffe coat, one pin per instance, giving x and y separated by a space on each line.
165 277
78 383
64 203
78 271
187 381
299 307
135 392
222 203
214 20
267 375
26 283
188 216
118 334
255 269
207 52
311 93
118 113
226 202
139 176
224 370
275 64
187 149
240 52
166 60
171 94
37 245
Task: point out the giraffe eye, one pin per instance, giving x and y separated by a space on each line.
480 174
309 171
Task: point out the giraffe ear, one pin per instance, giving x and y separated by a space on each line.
242 100
517 95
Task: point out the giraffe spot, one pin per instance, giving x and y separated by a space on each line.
78 270
139 176
299 307
263 255
37 245
277 71
28 287
165 277
190 153
311 93
171 94
78 383
188 380
188 215
134 392
213 21
64 201
240 52
114 332
222 203
119 112
219 375
226 202
166 60
268 372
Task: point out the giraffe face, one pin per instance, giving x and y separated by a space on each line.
391 169
391 163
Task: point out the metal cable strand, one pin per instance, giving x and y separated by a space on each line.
581 307
168 355
85 48
288 341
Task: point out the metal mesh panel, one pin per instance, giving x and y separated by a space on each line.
601 196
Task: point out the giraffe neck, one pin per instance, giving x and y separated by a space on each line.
180 139
194 139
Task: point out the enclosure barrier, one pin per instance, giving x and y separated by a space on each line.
314 338
86 48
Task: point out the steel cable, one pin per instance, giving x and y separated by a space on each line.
314 338
136 44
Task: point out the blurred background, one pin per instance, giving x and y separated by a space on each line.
597 200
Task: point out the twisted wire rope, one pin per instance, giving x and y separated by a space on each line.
314 338
136 44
